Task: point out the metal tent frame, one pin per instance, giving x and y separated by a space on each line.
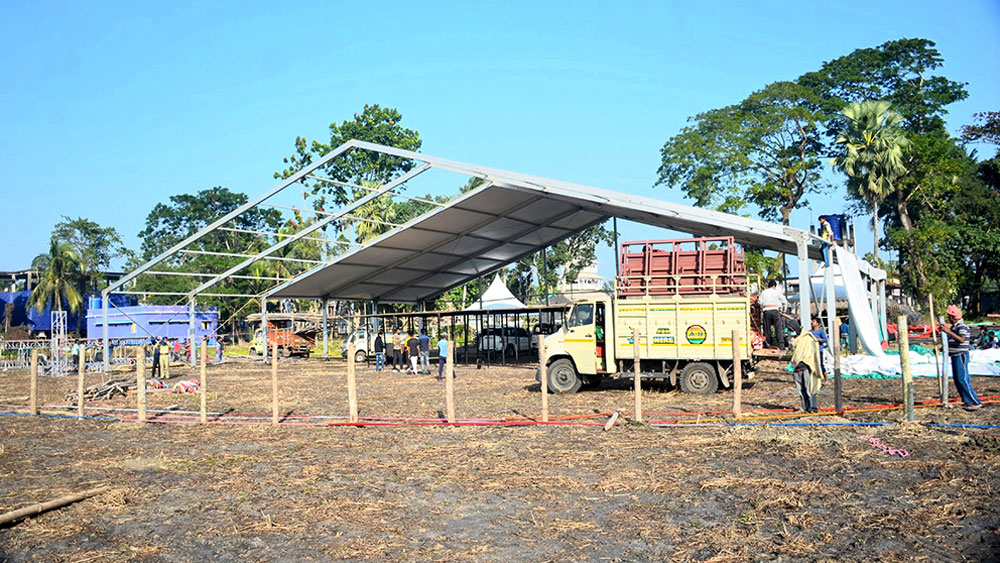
510 216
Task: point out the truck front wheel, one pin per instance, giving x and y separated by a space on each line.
563 377
699 378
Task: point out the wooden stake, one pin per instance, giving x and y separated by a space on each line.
937 367
33 388
737 377
274 382
352 384
904 360
449 383
80 384
140 382
38 508
204 396
544 376
638 375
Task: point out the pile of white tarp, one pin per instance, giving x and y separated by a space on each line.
981 362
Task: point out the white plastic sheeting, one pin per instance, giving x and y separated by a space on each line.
857 300
981 362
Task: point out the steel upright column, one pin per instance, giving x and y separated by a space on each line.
831 300
263 326
804 293
104 315
326 332
193 359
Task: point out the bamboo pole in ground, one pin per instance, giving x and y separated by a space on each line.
638 375
737 377
934 331
838 388
204 392
904 360
81 382
140 382
352 384
449 383
274 382
543 376
33 385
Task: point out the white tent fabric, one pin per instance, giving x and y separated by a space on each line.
981 362
861 311
497 296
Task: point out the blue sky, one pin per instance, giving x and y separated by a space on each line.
106 110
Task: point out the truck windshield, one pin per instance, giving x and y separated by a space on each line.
583 314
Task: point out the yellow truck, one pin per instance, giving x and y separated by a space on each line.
684 339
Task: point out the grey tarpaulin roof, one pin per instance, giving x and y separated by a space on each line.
511 216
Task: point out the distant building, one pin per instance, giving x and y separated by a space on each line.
144 321
587 281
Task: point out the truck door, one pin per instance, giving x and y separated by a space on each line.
579 342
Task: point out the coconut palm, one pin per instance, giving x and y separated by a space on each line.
377 215
873 153
58 271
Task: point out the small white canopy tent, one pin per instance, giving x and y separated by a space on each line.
497 296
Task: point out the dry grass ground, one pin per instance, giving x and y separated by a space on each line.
184 492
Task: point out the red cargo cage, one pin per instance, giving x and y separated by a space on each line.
692 266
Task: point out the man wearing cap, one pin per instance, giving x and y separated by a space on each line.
771 301
958 351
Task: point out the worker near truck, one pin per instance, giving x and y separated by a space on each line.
413 352
397 351
958 351
806 370
772 302
379 351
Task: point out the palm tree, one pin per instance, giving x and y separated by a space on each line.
57 273
873 153
377 215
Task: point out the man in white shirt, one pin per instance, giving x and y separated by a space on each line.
772 302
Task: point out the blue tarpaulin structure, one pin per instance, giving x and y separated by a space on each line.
22 315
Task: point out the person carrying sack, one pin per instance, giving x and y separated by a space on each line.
806 372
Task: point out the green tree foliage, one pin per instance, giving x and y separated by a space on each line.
898 72
872 157
185 214
764 150
563 261
374 124
95 248
58 271
987 132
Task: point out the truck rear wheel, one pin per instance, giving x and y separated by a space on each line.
563 377
699 378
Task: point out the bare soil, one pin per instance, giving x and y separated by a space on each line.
252 492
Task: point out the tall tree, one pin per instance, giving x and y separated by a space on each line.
872 157
764 150
374 124
988 131
57 273
95 247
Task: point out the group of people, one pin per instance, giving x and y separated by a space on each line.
163 352
409 353
808 369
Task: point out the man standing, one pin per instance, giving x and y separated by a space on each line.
156 359
807 372
413 351
442 355
397 351
425 351
820 334
76 354
379 351
165 358
771 302
958 351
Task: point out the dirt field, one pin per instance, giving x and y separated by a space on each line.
251 492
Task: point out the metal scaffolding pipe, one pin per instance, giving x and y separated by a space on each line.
235 255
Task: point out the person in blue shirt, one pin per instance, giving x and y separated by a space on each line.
442 355
820 334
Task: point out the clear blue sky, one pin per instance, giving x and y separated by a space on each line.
106 110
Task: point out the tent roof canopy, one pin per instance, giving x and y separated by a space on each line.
496 296
509 217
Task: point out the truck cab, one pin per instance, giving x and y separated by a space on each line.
578 353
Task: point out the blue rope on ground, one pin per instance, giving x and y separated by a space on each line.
964 425
89 417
